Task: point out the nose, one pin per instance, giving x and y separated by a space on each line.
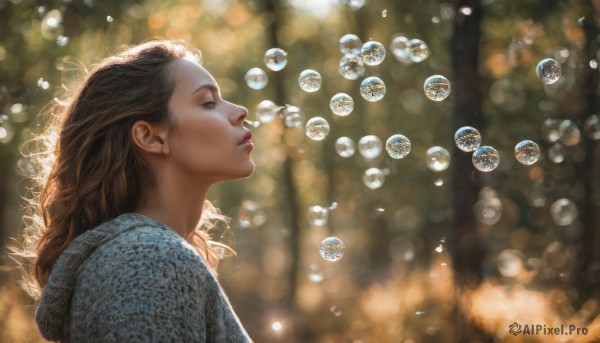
240 113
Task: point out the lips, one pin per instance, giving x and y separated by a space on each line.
247 138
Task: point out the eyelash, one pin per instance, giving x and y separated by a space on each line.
210 105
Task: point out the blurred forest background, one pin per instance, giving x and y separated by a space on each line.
451 256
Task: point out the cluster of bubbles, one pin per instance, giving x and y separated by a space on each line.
566 133
409 50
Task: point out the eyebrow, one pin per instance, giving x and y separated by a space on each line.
208 86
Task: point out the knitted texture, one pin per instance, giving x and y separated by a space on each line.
133 279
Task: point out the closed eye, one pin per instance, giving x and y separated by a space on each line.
210 105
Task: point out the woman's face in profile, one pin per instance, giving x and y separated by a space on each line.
210 140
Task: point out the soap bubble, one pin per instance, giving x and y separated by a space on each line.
548 70
251 215
350 44
309 80
373 178
370 146
467 138
372 89
488 210
275 59
550 130
332 249
437 87
317 128
563 211
556 153
344 147
292 116
399 48
266 111
418 50
351 67
62 40
318 215
43 84
341 104
335 310
510 262
109 19
527 152
591 127
256 78
486 158
569 133
437 158
372 53
397 146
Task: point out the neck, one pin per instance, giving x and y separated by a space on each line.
176 202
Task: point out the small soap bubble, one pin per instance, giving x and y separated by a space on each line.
399 48
317 128
43 84
384 13
569 133
488 210
418 50
372 53
510 262
397 146
256 78
439 248
341 104
486 158
275 59
335 310
345 147
62 40
350 44
467 138
332 249
438 182
370 146
109 19
563 211
277 326
556 153
437 159
266 111
594 64
351 67
437 87
465 10
550 130
591 127
373 178
292 116
548 70
310 80
527 152
315 274
372 89
251 215
51 25
318 215
333 206
354 5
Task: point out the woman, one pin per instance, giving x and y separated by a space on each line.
119 253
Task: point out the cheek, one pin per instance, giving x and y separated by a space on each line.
205 138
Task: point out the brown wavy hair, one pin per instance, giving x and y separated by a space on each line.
97 172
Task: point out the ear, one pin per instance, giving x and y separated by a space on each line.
150 138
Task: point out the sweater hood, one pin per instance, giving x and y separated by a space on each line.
52 315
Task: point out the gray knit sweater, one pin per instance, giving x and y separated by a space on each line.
133 279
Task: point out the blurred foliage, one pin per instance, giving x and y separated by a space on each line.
396 280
